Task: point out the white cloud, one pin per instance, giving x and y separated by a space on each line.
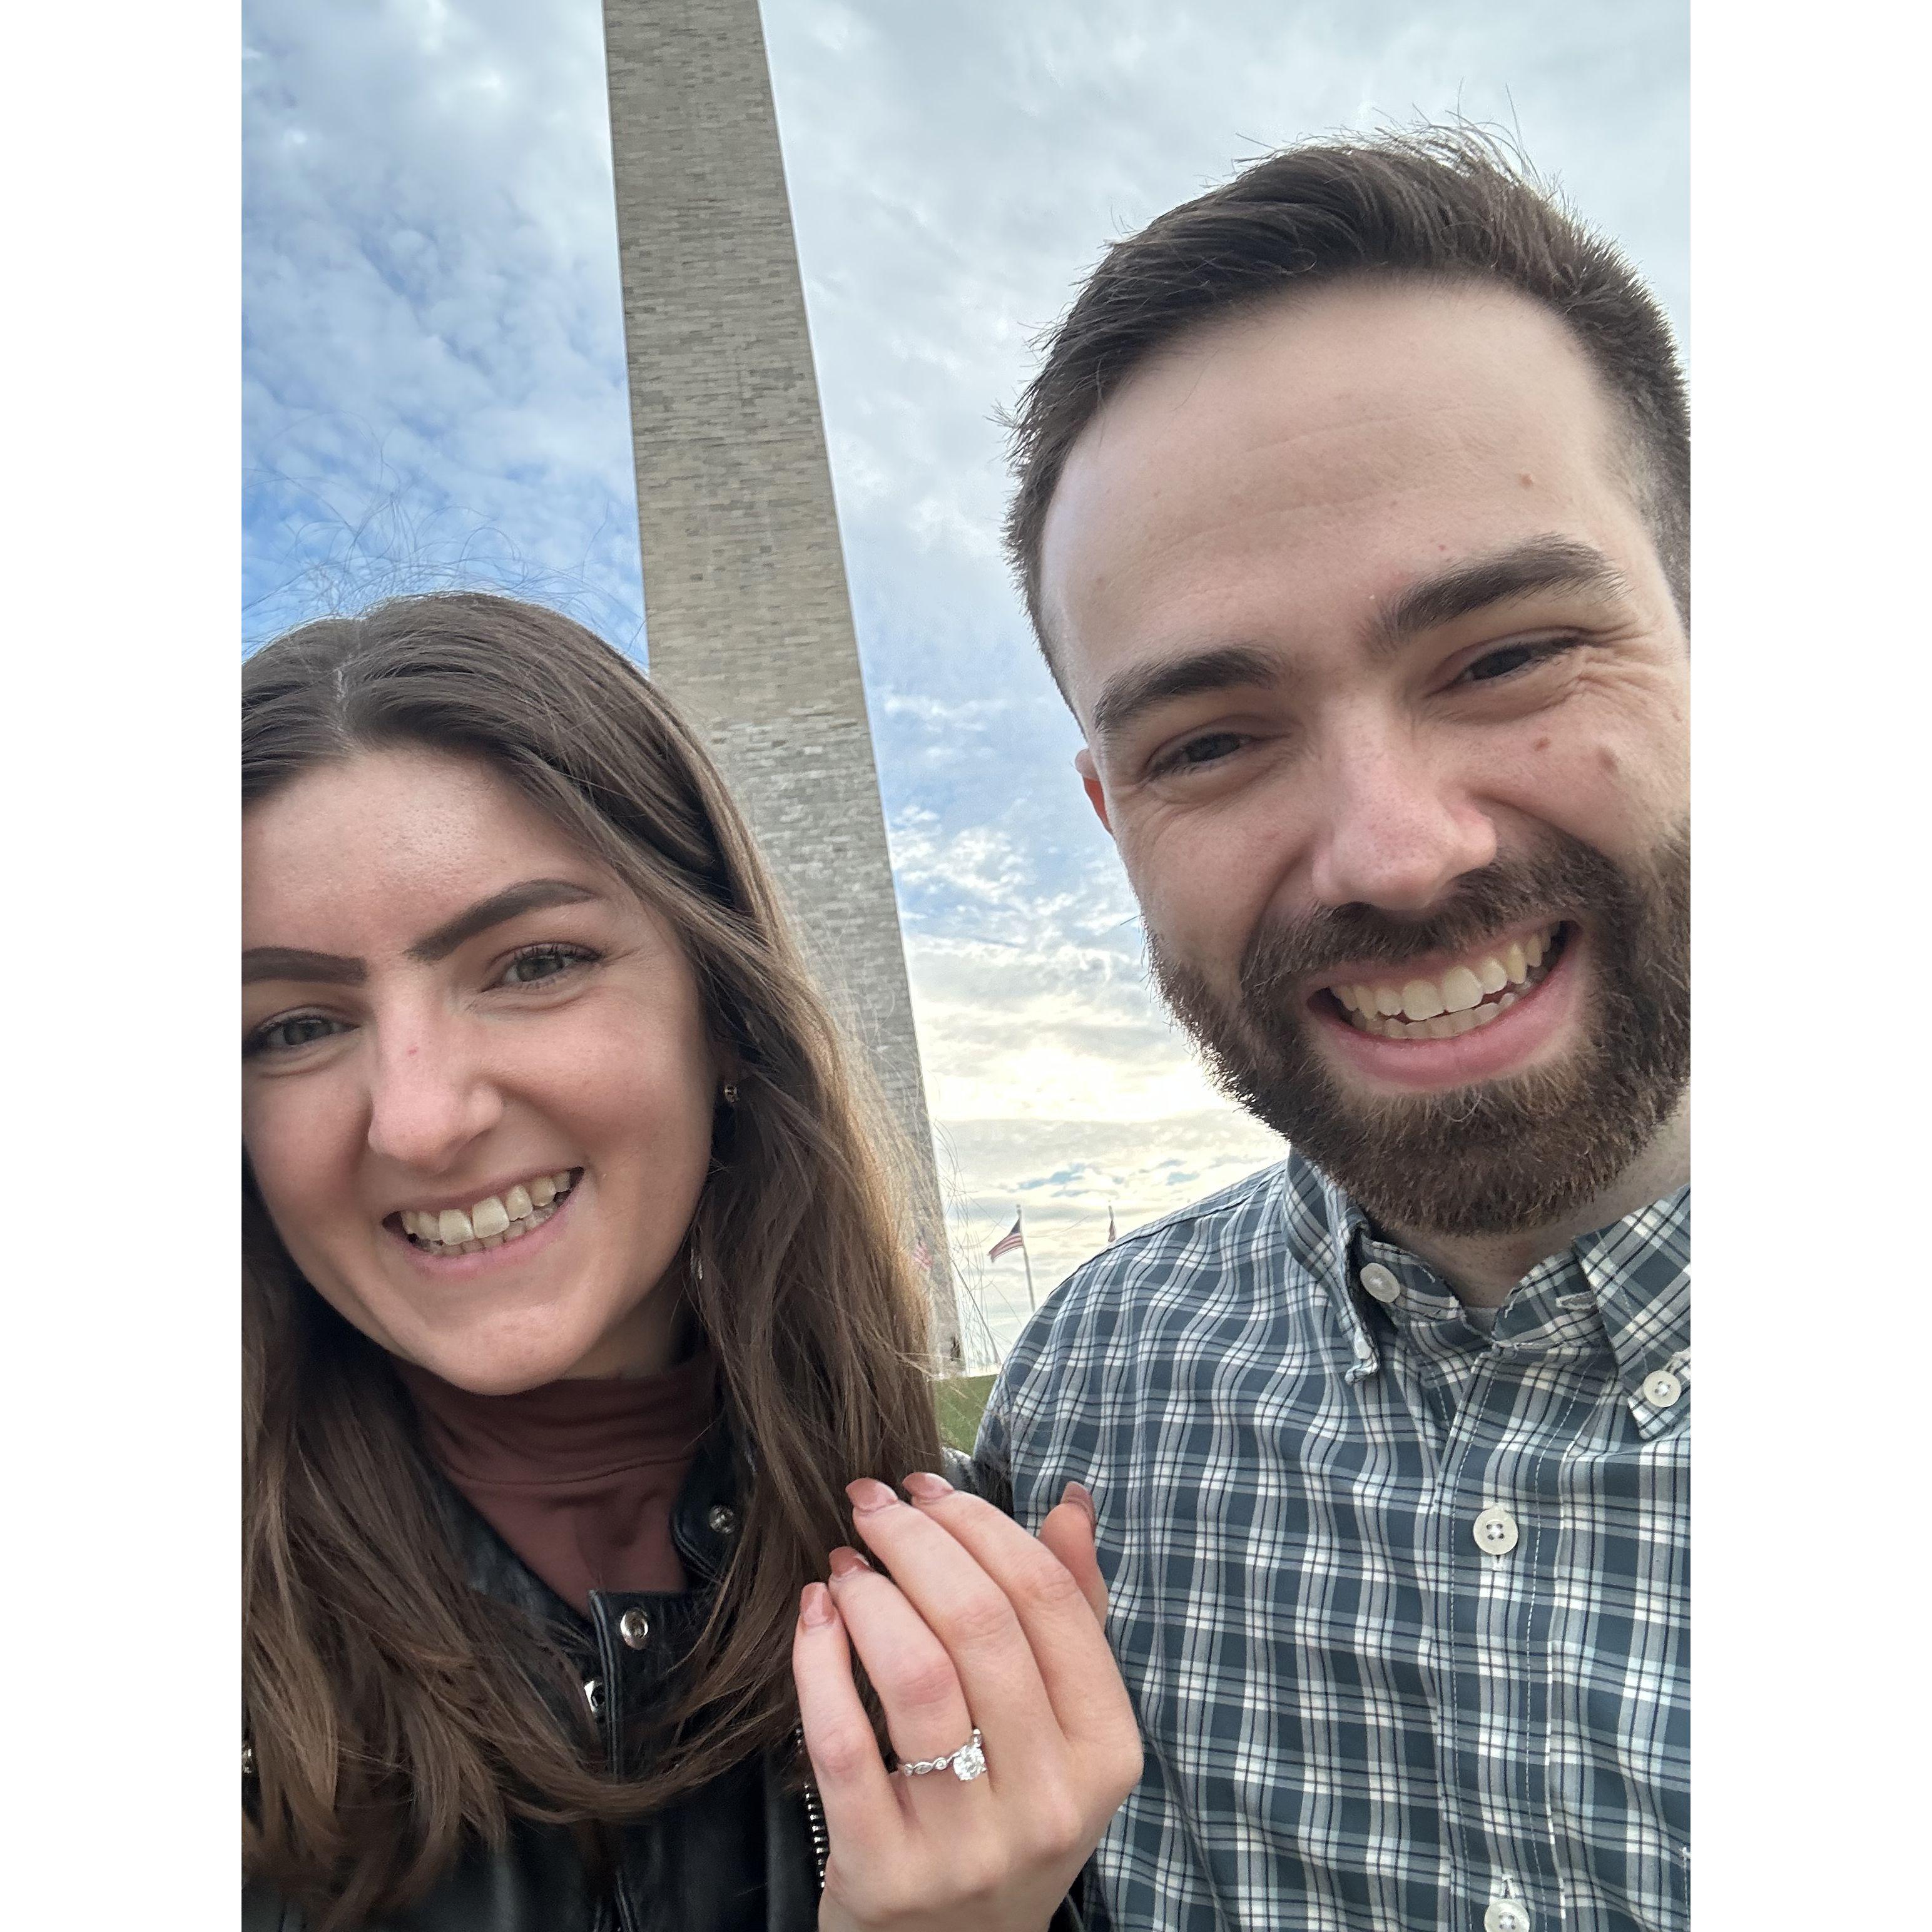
434 351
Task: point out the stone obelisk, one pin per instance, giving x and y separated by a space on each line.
748 621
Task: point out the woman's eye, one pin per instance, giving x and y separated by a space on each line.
538 963
285 1036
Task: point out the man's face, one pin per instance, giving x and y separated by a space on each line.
1386 705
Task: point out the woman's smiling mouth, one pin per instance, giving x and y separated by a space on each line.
487 1223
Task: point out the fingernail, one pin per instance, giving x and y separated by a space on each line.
1082 1497
814 1606
867 1496
926 1486
845 1561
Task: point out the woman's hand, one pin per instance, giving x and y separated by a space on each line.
980 1625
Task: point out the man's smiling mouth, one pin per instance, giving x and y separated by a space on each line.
490 1222
1469 993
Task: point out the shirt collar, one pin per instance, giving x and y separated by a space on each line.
1626 1288
1639 1268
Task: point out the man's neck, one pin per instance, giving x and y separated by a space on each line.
1483 1268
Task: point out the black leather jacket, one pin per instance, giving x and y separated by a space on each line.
743 1854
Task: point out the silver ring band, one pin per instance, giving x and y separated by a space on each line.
966 1763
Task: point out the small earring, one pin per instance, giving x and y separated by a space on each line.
730 1091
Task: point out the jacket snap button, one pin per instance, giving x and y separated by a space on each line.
634 1627
593 1696
722 1519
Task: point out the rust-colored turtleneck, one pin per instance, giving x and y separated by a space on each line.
577 1477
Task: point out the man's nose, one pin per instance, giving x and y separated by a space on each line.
1395 831
431 1095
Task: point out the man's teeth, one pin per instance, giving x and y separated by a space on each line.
490 1222
1464 998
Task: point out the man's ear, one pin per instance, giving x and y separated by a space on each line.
1090 782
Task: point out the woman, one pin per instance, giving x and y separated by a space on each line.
574 1299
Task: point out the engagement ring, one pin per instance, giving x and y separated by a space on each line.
966 1763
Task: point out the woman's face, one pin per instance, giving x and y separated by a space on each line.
457 1029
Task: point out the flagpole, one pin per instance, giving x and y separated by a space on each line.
986 1326
1033 1300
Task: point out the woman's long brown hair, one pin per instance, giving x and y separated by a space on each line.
395 1713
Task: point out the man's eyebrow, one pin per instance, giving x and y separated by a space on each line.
290 962
1543 563
1125 698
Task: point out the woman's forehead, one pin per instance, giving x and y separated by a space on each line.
405 831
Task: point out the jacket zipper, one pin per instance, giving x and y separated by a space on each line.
814 1813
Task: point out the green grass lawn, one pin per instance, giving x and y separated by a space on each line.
960 1400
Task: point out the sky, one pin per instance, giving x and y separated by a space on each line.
434 395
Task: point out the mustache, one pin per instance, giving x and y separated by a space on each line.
1569 879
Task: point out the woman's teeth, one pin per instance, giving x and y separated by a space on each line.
1468 995
490 1222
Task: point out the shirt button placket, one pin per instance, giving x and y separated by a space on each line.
1496 1534
1380 1283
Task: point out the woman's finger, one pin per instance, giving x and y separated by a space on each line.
1068 1532
862 1814
926 1709
969 1614
1053 1609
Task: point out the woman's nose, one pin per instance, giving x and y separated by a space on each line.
431 1097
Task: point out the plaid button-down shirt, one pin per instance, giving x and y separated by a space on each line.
1402 1606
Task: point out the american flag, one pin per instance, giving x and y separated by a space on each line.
921 1255
1007 1242
1110 1224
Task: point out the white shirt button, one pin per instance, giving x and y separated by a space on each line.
1496 1535
1505 1915
1377 1281
1662 1390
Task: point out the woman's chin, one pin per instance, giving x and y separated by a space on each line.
504 1365
511 1354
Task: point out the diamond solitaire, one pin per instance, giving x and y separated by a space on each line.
966 1763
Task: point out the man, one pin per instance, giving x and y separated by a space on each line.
1352 516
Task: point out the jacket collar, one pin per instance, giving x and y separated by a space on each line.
704 1526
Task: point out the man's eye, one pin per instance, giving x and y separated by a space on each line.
1510 659
1209 748
536 963
285 1036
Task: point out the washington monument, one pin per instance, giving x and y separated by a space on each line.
747 619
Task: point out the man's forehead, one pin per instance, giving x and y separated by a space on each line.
1302 439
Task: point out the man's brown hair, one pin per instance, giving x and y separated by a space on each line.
1452 203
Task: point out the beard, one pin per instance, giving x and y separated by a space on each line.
1502 1156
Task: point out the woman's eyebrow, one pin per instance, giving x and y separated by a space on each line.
290 962
532 895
